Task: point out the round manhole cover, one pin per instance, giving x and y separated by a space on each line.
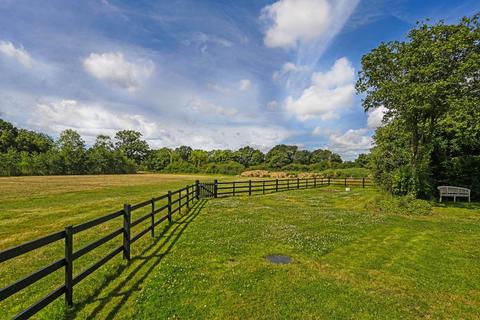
279 259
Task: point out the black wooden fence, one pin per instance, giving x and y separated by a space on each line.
168 204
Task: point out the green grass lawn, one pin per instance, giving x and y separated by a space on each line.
348 261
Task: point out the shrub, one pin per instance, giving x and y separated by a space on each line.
406 205
180 167
229 167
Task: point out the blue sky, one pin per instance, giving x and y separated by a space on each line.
209 74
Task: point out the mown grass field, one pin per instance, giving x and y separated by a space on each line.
348 261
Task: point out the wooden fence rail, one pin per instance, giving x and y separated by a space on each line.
175 201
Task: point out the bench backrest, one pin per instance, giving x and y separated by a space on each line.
452 190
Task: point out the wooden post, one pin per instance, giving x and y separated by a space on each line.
180 201
126 230
233 187
288 183
263 186
69 265
298 183
363 182
197 189
306 183
152 219
345 182
315 181
170 206
215 188
249 187
276 185
188 197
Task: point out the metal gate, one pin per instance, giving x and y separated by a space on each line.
206 190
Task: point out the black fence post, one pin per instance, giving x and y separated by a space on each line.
169 206
188 197
126 230
298 183
315 181
263 187
69 265
276 185
249 187
363 182
197 189
180 201
153 219
233 187
345 182
215 188
328 180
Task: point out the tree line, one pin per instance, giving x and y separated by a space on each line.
429 85
26 152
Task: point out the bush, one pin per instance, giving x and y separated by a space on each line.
345 173
180 167
296 167
406 205
229 167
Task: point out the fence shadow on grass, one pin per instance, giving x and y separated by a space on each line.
135 271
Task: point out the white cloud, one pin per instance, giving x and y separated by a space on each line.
19 54
295 22
321 131
240 86
329 92
244 85
288 67
272 105
201 38
88 119
375 117
91 119
206 107
114 69
351 143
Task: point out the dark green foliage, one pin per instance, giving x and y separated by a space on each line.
430 88
129 142
181 167
7 135
324 156
31 153
183 152
229 167
302 157
160 159
220 156
104 158
248 156
71 154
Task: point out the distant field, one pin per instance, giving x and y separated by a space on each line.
348 262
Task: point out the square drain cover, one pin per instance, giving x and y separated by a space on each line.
279 259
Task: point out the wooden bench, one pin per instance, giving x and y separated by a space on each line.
455 192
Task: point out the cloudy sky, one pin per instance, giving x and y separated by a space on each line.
209 74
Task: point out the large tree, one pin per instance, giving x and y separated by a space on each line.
7 135
130 143
249 156
72 153
419 82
